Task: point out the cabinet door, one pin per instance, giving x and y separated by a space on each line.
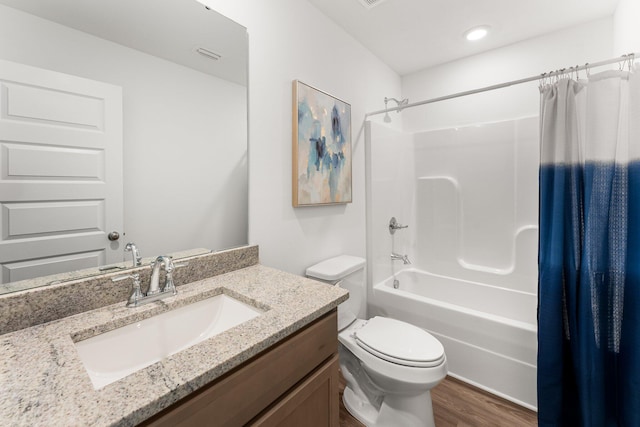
314 403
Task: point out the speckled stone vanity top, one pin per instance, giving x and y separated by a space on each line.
44 383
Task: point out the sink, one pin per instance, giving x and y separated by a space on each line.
115 354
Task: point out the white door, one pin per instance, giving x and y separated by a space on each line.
60 172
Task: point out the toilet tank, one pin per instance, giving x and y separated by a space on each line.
347 272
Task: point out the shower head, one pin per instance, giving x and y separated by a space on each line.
387 117
401 104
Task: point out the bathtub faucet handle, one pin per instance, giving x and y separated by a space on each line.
395 225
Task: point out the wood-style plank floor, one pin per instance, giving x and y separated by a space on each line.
457 404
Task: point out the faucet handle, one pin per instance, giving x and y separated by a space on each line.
136 292
395 225
169 285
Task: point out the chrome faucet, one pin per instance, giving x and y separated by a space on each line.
135 254
154 284
154 292
403 258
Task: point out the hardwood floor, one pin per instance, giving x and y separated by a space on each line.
457 404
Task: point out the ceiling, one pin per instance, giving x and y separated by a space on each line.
410 35
170 29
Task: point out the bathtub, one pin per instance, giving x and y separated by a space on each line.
488 332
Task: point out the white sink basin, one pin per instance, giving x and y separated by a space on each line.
115 354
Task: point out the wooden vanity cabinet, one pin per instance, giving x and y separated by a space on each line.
309 404
293 383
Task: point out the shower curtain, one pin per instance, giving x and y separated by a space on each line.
589 252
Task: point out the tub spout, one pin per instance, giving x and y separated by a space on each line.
403 258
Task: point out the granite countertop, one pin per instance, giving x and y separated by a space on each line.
44 383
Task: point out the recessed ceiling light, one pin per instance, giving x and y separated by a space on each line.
477 33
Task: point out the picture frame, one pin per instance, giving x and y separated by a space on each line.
322 149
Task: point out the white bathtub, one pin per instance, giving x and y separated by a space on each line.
489 332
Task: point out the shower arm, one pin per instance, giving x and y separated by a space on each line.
401 104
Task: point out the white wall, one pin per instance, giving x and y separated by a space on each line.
589 42
184 135
290 39
626 35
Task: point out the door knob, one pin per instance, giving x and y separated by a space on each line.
113 236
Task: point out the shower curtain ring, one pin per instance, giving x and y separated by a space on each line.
630 60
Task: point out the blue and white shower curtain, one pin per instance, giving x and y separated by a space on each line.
589 252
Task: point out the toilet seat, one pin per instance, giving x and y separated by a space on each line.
399 342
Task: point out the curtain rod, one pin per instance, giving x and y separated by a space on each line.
622 59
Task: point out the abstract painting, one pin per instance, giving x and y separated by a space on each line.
321 147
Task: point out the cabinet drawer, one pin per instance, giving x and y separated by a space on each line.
242 394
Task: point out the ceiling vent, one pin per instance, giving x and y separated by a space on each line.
370 4
209 54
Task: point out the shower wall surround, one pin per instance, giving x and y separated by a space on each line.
470 198
391 188
477 203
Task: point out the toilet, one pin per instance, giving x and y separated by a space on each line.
390 366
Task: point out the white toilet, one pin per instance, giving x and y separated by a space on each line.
390 366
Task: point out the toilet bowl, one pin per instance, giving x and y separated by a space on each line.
390 366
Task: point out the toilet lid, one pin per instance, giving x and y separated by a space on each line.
399 342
